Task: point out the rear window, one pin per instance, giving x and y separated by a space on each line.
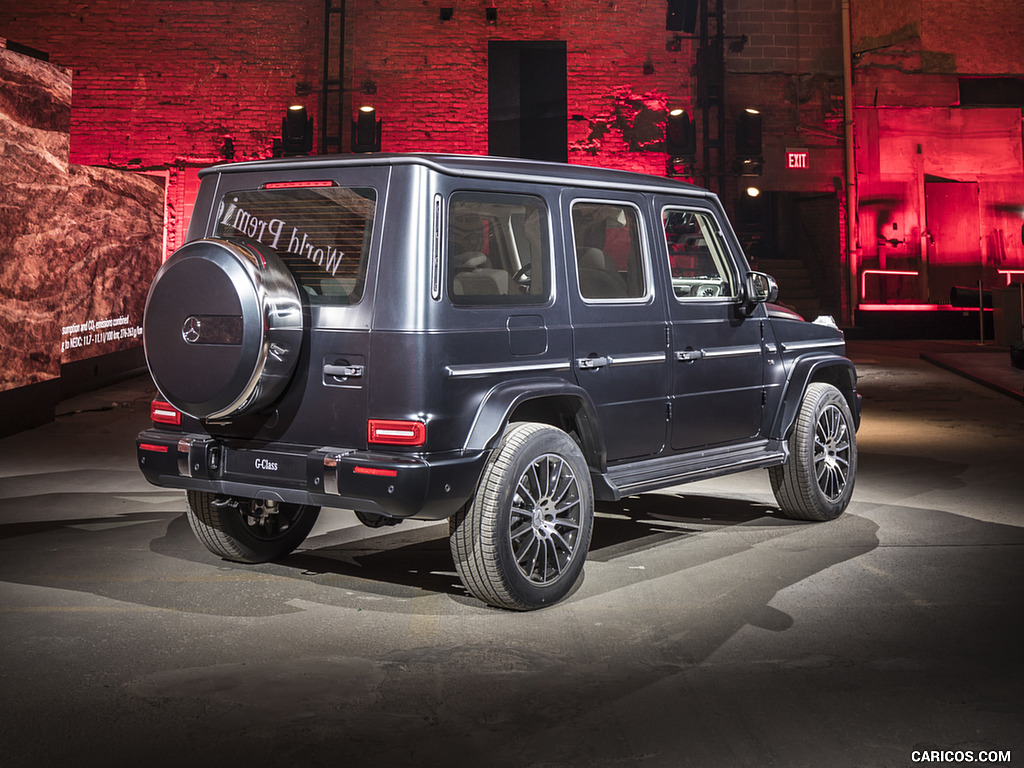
321 233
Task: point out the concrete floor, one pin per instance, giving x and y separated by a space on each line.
707 631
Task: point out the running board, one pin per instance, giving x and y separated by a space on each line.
651 474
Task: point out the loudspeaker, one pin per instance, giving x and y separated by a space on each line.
682 16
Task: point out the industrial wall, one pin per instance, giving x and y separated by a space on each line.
428 77
939 89
157 82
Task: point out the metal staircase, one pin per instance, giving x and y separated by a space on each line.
796 286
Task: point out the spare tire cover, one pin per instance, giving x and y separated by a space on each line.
222 329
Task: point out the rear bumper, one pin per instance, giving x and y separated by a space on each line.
429 487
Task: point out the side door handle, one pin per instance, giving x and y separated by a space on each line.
689 355
591 363
344 371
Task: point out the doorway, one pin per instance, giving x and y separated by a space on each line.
527 111
954 237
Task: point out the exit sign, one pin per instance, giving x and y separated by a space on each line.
798 158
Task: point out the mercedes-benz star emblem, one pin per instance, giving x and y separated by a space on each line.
191 329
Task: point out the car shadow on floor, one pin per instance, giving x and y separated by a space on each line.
420 559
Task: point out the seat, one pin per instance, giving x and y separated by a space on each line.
475 277
599 279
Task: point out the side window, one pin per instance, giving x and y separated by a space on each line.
498 251
697 256
609 250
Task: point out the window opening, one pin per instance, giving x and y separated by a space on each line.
609 251
697 256
498 250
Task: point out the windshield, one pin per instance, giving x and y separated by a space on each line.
321 233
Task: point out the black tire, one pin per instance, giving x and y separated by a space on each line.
247 530
521 541
816 483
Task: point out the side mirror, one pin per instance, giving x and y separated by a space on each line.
759 289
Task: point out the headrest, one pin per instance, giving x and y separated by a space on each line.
469 260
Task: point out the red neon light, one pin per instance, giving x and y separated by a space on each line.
866 272
295 184
376 471
916 308
1010 273
164 413
152 447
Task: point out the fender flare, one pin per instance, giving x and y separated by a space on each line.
545 400
806 369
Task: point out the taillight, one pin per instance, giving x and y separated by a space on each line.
161 412
390 432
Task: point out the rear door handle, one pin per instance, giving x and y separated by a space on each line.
344 371
689 355
592 363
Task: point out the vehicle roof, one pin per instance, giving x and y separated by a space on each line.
476 166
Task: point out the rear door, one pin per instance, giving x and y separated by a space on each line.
325 226
717 351
618 318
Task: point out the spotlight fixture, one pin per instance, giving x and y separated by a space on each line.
366 130
680 144
447 13
748 133
296 132
492 14
748 143
680 133
750 209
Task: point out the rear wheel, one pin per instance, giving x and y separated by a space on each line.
817 481
521 541
249 530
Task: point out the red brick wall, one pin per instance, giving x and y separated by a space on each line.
969 37
791 36
165 82
431 75
159 82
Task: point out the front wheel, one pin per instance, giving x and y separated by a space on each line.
816 483
249 530
521 541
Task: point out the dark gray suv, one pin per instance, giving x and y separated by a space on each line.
496 342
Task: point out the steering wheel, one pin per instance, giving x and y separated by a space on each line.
705 290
